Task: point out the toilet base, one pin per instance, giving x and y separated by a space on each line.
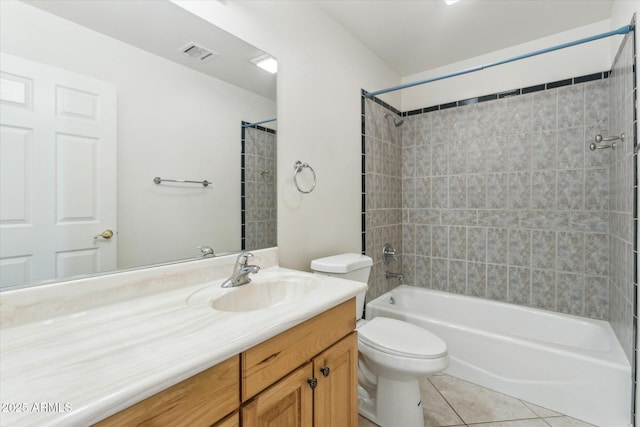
397 403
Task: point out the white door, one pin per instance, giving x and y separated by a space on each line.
57 173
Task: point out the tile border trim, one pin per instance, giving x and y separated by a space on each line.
494 96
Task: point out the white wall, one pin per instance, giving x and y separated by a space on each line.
321 69
575 61
571 62
173 122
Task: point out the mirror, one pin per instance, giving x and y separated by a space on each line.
98 100
258 191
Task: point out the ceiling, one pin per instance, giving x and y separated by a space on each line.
412 36
167 30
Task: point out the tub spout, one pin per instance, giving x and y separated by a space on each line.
390 275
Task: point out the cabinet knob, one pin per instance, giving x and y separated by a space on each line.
325 371
313 382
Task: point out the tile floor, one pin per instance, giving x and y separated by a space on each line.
450 401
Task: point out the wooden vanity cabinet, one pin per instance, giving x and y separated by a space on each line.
232 420
305 376
201 400
321 392
336 395
288 403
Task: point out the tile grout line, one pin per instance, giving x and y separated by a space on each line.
445 399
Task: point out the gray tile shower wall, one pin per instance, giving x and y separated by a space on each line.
501 199
504 200
259 209
621 201
383 189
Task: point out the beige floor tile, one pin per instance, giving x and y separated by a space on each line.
565 421
437 411
534 422
363 422
452 402
542 412
475 404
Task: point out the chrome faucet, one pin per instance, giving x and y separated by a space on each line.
241 271
206 251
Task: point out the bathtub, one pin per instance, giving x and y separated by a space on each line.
572 365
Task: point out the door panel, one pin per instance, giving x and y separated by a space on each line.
58 165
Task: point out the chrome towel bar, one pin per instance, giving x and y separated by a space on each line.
159 180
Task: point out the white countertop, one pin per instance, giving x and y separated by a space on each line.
87 365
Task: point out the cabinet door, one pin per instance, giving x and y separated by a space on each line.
230 421
266 363
336 396
288 403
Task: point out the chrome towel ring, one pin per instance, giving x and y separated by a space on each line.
298 166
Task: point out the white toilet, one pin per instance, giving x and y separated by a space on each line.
393 355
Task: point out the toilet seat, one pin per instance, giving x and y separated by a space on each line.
399 338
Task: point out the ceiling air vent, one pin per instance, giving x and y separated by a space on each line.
196 51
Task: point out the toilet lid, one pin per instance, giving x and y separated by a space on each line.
401 338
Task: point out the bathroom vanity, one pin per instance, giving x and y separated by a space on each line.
306 376
169 346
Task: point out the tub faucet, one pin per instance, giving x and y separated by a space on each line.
390 275
241 271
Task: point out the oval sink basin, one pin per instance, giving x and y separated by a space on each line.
262 294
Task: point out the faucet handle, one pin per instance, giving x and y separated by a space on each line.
243 259
388 253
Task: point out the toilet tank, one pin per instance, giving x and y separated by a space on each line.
346 266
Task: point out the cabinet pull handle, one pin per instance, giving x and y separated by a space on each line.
325 371
313 382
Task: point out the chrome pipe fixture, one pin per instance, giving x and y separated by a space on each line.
390 275
397 122
599 139
388 253
206 251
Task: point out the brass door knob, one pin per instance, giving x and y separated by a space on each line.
106 234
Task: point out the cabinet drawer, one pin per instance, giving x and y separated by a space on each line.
266 363
197 401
